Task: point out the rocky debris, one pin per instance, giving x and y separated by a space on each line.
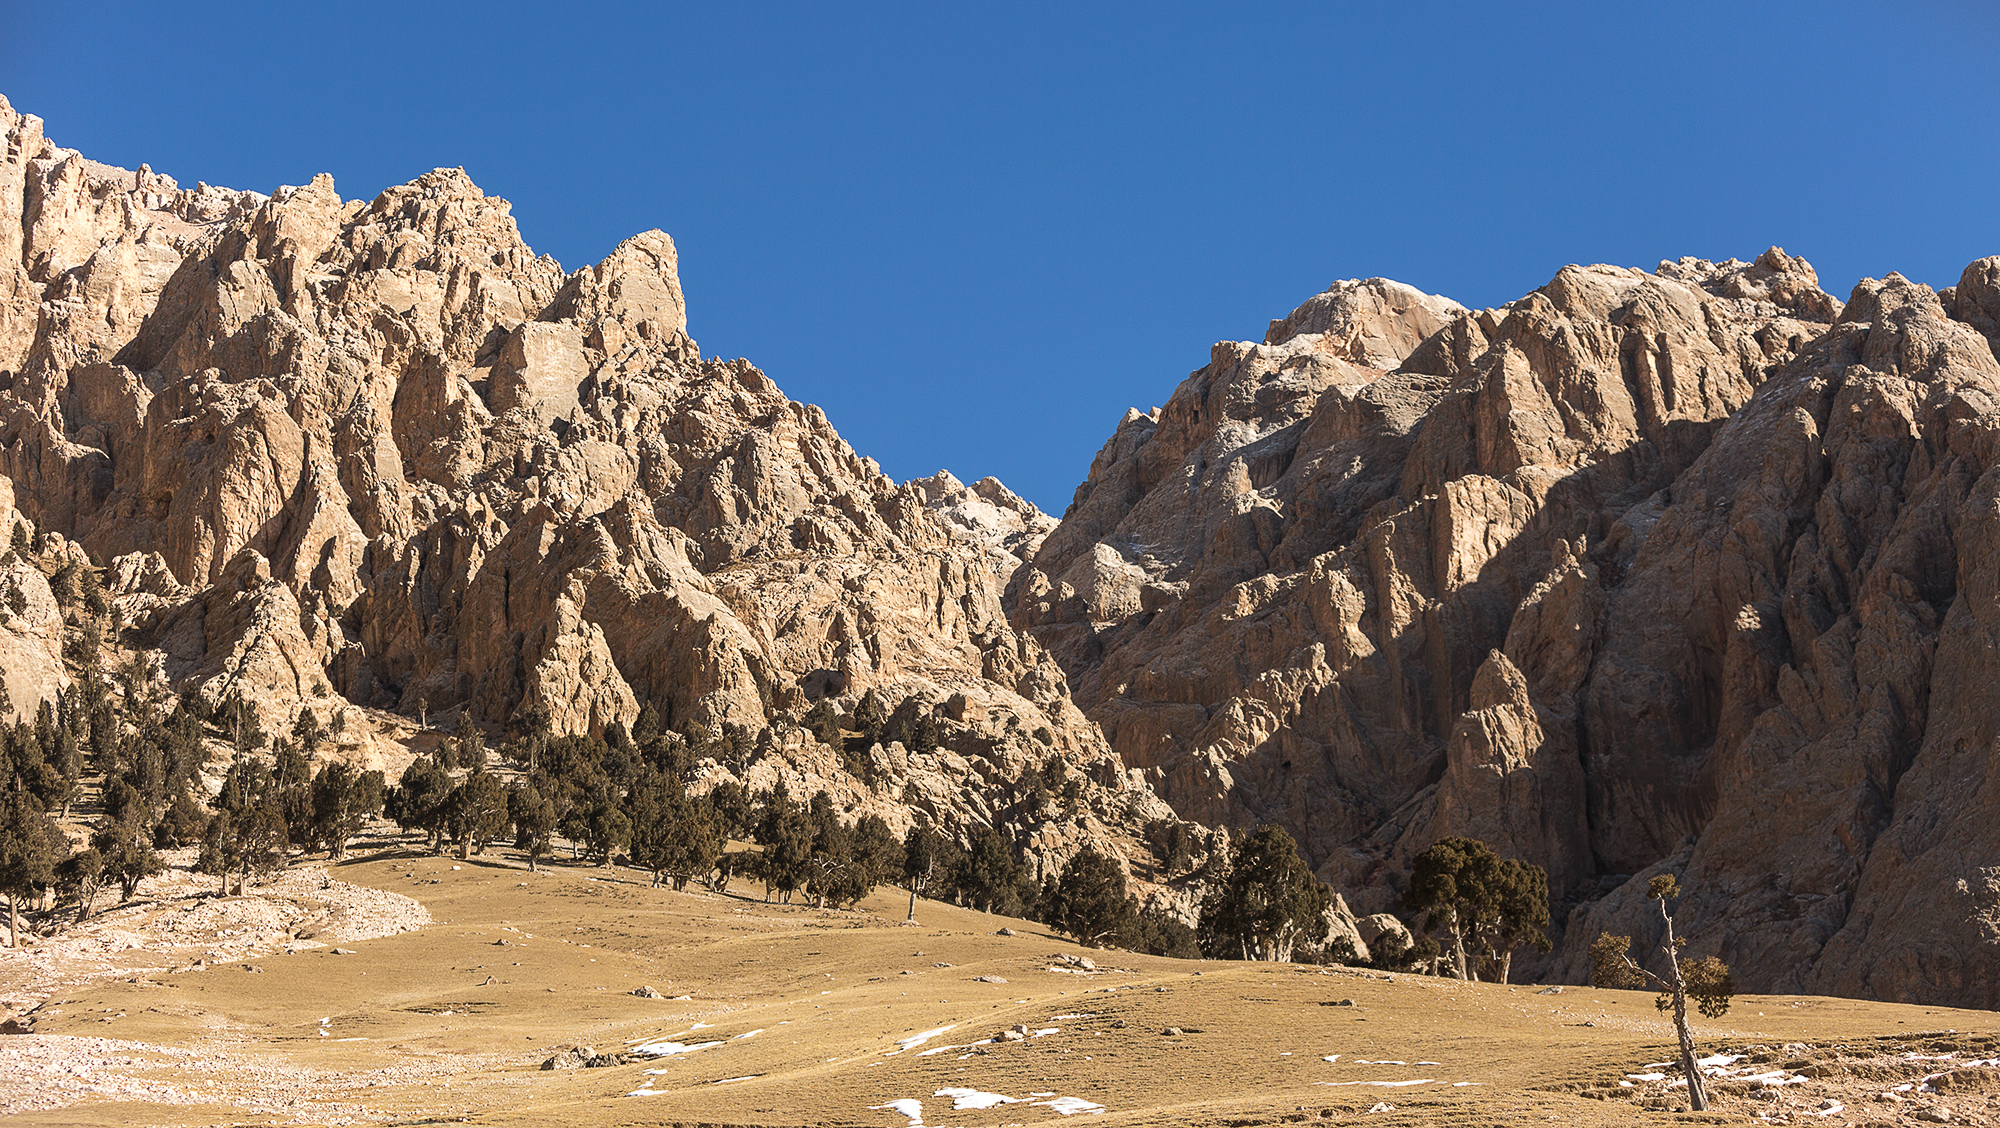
987 979
646 993
177 920
1016 1033
583 1057
1006 932
50 1071
1604 577
1083 963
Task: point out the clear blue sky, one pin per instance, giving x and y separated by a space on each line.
976 234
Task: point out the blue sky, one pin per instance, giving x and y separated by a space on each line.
976 234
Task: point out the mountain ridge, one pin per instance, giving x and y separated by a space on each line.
1643 571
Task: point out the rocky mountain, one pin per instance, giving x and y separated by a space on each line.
1688 570
378 452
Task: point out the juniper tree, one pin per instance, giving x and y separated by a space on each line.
476 812
1269 905
990 871
672 835
534 819
1706 980
124 844
1090 901
1478 898
927 862
30 850
787 838
80 875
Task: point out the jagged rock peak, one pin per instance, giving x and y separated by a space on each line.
1683 569
336 453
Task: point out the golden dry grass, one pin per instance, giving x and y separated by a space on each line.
452 1022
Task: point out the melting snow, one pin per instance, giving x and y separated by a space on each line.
669 1049
908 1106
973 1098
1382 1084
915 1040
1719 1059
1070 1106
747 1034
745 1077
1647 1076
1836 1106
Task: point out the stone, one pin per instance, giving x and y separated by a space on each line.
647 993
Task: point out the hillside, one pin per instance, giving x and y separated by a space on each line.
784 1015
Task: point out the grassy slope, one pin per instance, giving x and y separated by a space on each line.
834 991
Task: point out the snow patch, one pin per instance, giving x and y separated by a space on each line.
908 1106
973 1098
1070 1106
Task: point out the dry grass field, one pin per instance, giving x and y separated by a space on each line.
795 1016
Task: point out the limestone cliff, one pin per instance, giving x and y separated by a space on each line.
1691 568
379 452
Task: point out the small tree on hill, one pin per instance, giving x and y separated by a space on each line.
990 872
1707 980
1090 901
672 835
1480 899
127 851
1269 905
477 811
927 862
534 819
30 850
823 722
787 837
80 875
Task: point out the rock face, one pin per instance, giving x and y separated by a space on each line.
1689 570
378 452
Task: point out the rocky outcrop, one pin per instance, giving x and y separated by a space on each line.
1683 569
334 453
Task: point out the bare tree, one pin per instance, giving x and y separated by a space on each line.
1706 979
